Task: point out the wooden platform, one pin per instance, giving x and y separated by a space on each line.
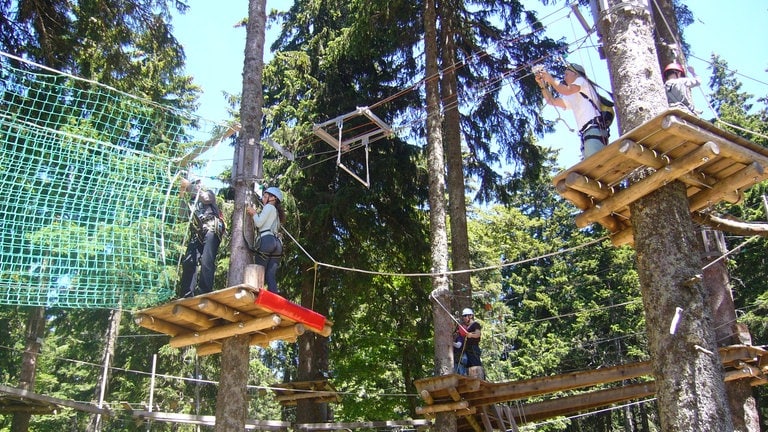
715 166
207 319
484 405
319 391
13 400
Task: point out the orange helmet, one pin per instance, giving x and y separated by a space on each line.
674 67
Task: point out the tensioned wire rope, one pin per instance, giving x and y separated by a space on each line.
317 263
485 87
114 203
168 376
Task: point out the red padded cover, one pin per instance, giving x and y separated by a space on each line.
292 311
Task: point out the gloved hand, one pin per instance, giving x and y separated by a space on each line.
462 331
457 344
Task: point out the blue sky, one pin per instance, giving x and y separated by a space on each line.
736 30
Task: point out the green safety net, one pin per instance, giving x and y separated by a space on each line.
89 179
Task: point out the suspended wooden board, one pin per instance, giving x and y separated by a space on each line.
715 165
318 391
467 397
347 132
206 320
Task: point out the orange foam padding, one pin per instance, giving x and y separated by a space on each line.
280 305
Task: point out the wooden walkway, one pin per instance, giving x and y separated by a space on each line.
319 391
482 405
207 319
715 166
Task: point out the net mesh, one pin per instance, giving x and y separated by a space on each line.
89 177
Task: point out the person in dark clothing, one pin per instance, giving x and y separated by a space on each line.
470 330
206 229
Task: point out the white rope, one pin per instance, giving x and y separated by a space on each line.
453 272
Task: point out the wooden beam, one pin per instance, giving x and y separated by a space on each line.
454 394
441 382
625 236
584 202
588 186
217 309
225 331
158 325
728 148
501 392
624 197
584 401
79 406
450 406
281 333
426 397
209 348
747 176
651 158
198 319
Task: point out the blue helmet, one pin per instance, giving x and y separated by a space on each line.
275 192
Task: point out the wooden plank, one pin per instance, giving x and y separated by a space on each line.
311 394
207 420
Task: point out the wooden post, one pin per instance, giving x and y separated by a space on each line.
254 275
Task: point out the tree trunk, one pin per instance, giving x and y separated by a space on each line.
444 422
113 331
686 365
231 401
313 359
716 282
457 208
35 333
715 275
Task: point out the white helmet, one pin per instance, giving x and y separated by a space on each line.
275 192
467 311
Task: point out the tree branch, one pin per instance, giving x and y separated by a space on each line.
731 224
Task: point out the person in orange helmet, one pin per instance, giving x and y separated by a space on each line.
678 87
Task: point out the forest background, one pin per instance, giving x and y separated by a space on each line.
552 298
